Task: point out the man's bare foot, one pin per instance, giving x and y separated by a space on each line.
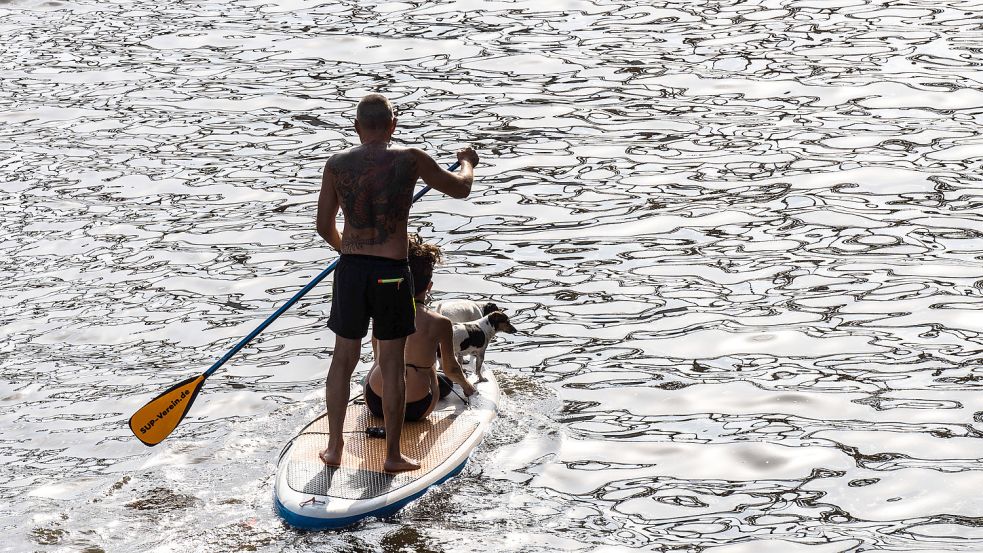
331 458
400 464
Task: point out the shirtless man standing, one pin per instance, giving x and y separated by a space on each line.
373 185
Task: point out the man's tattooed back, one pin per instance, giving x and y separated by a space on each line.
375 188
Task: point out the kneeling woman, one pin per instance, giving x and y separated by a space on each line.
424 388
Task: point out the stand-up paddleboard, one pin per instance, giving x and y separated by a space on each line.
309 494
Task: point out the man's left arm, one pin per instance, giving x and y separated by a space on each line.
327 210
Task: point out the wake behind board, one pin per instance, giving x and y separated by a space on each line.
309 494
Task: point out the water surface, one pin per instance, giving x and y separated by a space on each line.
742 241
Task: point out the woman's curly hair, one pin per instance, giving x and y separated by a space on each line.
423 257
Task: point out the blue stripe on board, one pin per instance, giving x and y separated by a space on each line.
316 523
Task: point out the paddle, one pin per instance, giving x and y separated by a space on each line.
158 418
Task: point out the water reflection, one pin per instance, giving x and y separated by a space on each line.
741 240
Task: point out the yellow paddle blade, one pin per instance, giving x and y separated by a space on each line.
157 419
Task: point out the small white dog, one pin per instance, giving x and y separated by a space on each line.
473 336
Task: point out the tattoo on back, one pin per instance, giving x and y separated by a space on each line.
375 190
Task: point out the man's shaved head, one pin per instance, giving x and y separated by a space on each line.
374 113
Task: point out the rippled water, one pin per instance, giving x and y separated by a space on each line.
742 240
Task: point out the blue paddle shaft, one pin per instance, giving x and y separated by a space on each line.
303 291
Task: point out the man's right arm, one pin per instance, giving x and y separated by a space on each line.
456 185
327 210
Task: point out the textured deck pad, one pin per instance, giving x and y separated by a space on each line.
360 476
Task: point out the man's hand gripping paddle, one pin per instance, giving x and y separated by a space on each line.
158 418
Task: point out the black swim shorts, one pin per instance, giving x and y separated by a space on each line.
377 288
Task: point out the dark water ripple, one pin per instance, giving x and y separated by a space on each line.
742 241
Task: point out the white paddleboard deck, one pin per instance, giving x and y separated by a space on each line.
309 494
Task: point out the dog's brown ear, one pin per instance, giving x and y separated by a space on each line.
489 308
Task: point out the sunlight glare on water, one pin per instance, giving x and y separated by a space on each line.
741 240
